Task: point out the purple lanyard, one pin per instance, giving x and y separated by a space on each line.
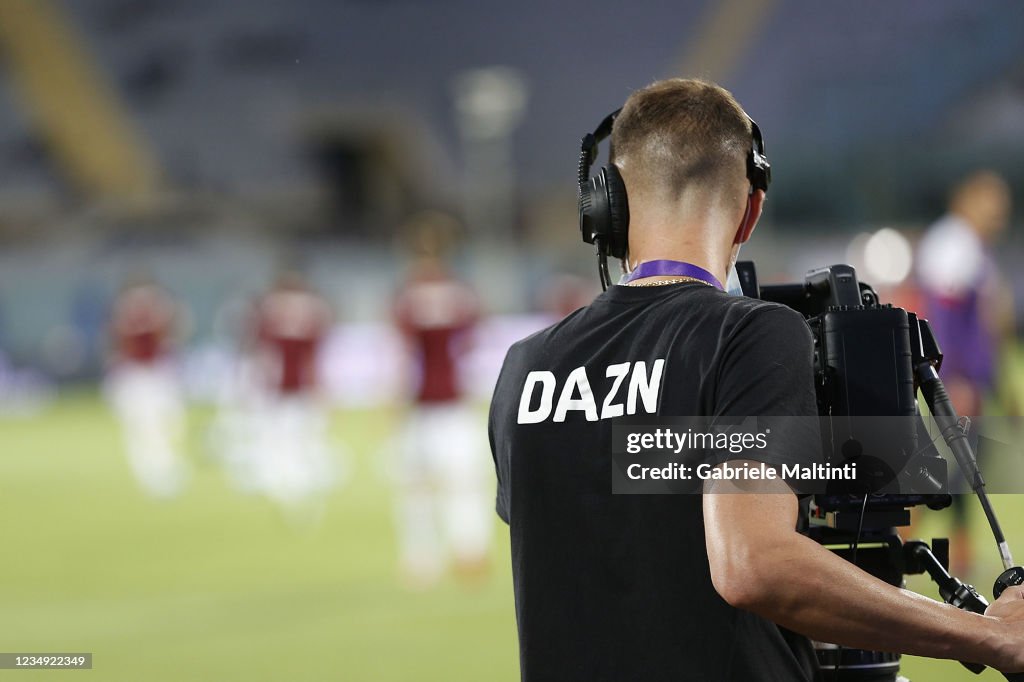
662 268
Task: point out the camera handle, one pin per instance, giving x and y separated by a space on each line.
952 590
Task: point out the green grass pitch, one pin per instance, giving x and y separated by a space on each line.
218 586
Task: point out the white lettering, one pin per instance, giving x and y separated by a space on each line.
646 388
547 382
609 409
577 381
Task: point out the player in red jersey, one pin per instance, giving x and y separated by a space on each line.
143 387
293 463
443 505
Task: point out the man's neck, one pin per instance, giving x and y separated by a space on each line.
701 257
659 233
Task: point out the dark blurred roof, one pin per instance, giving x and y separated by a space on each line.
839 73
224 88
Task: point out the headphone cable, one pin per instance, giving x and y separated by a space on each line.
602 269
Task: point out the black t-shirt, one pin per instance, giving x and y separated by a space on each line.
617 587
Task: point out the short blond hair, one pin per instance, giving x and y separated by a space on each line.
683 132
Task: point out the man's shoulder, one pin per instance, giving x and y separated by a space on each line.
745 305
755 311
540 340
733 313
737 313
778 330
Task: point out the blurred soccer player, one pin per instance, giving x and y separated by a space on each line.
143 387
968 305
444 503
293 461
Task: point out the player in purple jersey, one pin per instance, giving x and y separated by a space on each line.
968 304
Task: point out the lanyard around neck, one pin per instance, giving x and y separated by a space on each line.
673 268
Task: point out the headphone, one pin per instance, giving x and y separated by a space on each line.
604 208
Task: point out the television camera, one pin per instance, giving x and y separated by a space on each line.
871 360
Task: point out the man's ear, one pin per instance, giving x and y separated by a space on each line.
755 204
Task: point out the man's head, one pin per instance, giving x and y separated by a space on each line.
682 147
983 200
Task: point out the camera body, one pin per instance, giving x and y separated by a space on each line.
866 356
865 352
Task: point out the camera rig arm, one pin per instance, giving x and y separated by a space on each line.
927 358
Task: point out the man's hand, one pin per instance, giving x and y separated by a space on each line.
1009 611
759 563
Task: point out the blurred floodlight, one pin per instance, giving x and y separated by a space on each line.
490 101
888 257
855 251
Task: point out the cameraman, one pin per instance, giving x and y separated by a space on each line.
706 587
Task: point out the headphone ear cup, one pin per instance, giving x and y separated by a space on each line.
594 217
618 211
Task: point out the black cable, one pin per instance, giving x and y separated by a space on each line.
602 270
860 529
853 560
948 421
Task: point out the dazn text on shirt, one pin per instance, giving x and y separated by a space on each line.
630 381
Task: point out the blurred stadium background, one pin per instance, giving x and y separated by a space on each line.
212 143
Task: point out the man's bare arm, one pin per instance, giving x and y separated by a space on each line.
761 564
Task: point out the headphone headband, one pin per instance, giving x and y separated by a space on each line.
588 146
604 128
759 171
